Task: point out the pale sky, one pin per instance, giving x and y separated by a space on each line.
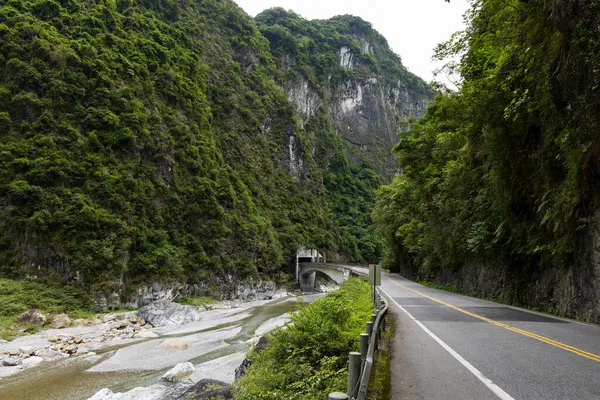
412 27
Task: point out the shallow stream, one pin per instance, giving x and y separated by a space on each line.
69 378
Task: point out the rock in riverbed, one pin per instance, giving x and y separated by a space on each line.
174 344
11 362
167 313
32 361
146 334
240 371
26 350
179 372
153 392
61 321
32 317
206 389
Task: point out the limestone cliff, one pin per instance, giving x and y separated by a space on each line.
346 69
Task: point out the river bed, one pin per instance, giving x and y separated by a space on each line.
217 345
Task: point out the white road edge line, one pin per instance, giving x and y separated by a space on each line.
486 381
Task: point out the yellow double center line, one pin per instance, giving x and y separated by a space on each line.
575 350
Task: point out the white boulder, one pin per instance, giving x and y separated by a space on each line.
61 321
32 361
179 372
174 344
146 334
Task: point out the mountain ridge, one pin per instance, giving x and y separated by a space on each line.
153 140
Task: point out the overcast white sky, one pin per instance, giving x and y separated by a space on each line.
412 27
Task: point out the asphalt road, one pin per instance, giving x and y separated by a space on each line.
449 346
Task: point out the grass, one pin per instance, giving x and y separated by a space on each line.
309 359
202 301
380 386
446 287
16 297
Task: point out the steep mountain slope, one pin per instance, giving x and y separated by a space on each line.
345 68
152 140
351 91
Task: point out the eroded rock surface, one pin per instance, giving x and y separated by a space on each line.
168 313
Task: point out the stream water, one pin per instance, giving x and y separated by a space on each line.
69 378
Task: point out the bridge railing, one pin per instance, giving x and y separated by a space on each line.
360 364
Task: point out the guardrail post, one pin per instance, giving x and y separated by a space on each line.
338 396
353 373
373 317
364 346
369 328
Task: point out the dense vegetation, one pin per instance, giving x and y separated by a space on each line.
16 297
138 142
504 171
309 51
309 359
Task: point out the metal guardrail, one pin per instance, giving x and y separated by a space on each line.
375 337
359 369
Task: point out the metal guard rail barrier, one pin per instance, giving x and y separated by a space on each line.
368 365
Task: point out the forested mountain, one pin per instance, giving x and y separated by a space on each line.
147 140
500 183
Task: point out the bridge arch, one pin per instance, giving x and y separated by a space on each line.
307 273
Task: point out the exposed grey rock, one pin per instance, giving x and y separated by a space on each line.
61 321
32 317
167 313
84 322
146 334
70 348
206 389
122 324
11 362
100 302
179 372
240 371
82 350
113 301
153 392
27 350
154 292
109 317
32 361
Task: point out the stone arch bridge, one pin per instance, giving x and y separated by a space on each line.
306 273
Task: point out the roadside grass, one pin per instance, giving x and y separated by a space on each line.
16 297
308 359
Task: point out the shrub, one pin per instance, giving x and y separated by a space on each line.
308 358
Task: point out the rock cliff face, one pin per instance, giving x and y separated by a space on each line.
351 75
572 292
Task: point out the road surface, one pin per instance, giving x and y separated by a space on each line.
448 346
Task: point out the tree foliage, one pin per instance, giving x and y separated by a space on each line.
139 141
309 51
309 358
149 139
506 169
